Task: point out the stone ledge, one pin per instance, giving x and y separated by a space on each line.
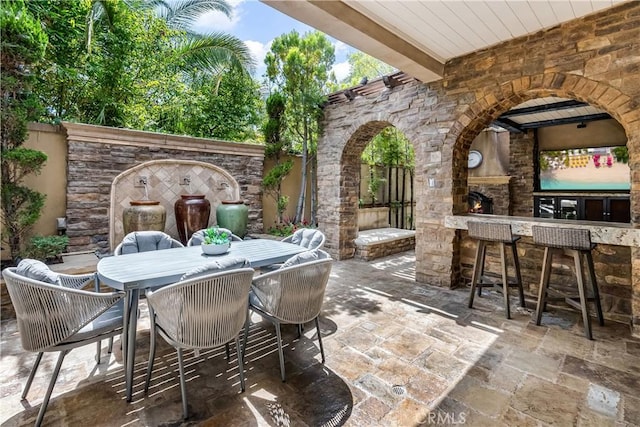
608 233
380 242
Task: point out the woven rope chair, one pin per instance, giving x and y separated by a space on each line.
143 241
309 238
60 317
200 313
198 237
291 295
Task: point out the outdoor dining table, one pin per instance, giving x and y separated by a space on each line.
136 272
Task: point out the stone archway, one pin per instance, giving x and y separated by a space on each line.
479 114
588 59
338 175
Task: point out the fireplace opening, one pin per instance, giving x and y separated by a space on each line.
479 203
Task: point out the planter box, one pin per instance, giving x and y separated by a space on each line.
370 218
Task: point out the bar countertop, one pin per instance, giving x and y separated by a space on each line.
607 233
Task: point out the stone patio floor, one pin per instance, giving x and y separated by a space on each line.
398 354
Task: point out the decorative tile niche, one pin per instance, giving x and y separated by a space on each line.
166 181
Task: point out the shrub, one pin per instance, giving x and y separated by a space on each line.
46 248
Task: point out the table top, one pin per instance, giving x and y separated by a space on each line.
158 268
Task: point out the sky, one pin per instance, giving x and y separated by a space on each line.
257 25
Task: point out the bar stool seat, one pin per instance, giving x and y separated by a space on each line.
576 243
484 233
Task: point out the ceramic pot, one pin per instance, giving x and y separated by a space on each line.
233 215
192 214
215 248
143 215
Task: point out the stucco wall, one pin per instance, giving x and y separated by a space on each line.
52 181
594 59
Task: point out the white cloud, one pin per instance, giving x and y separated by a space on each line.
212 22
341 48
341 70
258 52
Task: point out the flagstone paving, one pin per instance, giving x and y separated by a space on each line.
398 354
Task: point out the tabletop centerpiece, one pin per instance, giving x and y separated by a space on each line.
216 242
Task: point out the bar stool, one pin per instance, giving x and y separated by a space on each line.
486 232
577 243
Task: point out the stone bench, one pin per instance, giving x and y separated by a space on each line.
380 242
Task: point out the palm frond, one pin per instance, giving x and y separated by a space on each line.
182 14
213 53
100 11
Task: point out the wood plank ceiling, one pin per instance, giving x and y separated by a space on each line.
419 37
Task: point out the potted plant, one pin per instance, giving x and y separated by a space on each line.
216 242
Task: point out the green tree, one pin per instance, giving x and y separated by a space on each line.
137 57
22 45
228 108
275 145
364 66
300 67
211 52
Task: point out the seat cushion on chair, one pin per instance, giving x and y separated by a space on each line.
216 266
143 241
37 270
106 322
305 257
309 238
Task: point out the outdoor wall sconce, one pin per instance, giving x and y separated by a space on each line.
61 226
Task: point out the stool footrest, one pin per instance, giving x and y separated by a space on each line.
487 281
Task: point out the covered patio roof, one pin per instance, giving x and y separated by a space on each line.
419 37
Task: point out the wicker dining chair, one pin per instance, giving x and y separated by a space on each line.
310 238
200 313
60 317
198 237
143 241
291 295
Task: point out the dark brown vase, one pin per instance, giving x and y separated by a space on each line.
192 214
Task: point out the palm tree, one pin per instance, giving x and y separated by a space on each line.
211 53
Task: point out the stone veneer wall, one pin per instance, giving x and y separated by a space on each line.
595 59
97 155
522 171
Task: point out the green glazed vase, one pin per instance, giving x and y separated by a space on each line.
233 215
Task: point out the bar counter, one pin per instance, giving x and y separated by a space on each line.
608 233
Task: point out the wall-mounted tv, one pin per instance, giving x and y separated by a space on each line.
585 169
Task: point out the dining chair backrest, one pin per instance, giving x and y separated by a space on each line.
144 241
305 257
50 314
198 237
309 238
294 294
204 312
217 266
